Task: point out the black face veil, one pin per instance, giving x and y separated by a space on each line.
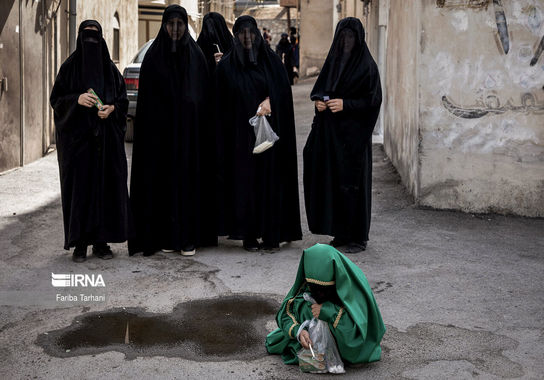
93 57
177 34
215 31
348 63
247 40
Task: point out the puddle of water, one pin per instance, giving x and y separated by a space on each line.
226 328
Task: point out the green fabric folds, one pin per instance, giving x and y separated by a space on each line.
356 325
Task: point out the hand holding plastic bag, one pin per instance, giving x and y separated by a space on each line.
265 137
323 355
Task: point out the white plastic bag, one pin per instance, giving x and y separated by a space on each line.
323 347
265 137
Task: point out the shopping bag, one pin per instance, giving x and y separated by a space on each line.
323 355
265 137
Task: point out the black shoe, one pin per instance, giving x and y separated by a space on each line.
354 248
188 250
338 242
270 247
80 254
102 251
251 245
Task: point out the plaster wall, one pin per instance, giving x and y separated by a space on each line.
315 33
103 12
481 120
401 105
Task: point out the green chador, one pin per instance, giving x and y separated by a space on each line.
356 323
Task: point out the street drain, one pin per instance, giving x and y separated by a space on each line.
227 328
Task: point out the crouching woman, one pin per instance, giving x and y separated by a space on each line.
344 300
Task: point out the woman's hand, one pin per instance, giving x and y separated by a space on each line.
304 338
320 105
335 105
316 309
87 100
105 111
217 57
264 108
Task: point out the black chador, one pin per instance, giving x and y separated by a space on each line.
338 153
214 32
172 190
90 146
260 191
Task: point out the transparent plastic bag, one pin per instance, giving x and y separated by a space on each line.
325 356
265 137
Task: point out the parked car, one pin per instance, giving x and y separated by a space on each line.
131 74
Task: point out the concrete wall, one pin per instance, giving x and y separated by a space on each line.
401 116
22 62
482 162
315 33
103 12
464 111
10 105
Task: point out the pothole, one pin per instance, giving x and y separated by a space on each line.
221 329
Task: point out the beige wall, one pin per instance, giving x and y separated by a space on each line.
103 12
315 33
400 110
464 122
492 163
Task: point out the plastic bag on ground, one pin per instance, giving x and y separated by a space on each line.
265 137
326 358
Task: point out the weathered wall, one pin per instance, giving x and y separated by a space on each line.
33 81
315 33
128 20
10 109
401 118
486 153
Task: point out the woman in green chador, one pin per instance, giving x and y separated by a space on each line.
344 300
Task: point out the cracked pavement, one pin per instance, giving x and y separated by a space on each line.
461 294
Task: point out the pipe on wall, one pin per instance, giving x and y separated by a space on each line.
72 26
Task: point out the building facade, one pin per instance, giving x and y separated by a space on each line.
36 38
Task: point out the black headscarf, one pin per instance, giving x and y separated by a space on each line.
214 31
344 72
171 188
90 150
247 52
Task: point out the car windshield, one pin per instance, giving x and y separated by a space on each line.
141 54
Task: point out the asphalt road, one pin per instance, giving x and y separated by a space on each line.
461 295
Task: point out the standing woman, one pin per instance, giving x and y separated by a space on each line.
338 153
214 32
260 191
284 49
90 146
172 166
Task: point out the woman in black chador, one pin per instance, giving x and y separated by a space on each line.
90 146
171 188
214 32
338 153
260 191
284 49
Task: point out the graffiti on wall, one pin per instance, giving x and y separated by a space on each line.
538 52
478 4
492 106
502 25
